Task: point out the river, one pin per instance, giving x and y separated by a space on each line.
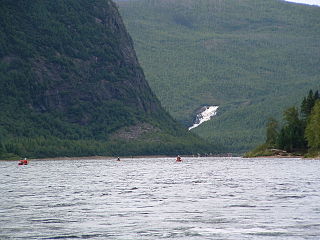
157 198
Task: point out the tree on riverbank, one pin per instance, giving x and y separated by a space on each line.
272 132
312 132
291 136
308 103
299 134
2 150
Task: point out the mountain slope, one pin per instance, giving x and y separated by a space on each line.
252 58
70 84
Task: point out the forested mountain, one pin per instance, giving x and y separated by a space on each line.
251 58
71 85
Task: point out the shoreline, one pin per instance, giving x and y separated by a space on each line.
274 156
88 158
145 157
293 156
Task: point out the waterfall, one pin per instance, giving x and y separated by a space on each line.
207 112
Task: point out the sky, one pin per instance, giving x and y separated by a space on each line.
311 2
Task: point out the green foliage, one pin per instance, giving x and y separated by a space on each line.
161 144
308 103
312 132
2 149
291 136
294 132
69 79
272 132
252 58
260 151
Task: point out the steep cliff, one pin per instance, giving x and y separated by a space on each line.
69 74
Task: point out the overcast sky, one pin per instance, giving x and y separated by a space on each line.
311 2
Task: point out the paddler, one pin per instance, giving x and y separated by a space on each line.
23 162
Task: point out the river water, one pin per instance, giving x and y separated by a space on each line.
200 198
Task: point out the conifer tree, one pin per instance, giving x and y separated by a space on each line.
308 103
312 132
304 108
291 136
2 147
272 132
316 95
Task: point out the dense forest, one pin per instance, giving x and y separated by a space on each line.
299 133
71 85
251 58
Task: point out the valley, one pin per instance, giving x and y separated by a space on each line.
252 59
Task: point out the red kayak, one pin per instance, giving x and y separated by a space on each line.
23 162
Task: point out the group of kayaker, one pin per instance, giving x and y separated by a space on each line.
26 162
179 159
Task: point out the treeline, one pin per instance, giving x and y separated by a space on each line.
43 136
44 147
299 134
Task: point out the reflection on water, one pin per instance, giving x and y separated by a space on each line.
200 198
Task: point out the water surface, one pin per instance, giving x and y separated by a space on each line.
200 198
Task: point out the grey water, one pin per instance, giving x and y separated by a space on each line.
157 198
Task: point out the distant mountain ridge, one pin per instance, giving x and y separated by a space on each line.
70 82
250 58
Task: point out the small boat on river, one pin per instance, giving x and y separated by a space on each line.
23 162
179 159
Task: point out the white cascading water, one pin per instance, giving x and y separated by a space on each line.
309 2
205 115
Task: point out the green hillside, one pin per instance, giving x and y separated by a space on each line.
252 58
71 85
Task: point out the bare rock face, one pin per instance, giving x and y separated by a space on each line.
134 132
100 77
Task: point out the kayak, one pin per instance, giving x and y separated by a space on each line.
23 162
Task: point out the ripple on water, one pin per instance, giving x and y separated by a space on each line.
241 206
148 199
